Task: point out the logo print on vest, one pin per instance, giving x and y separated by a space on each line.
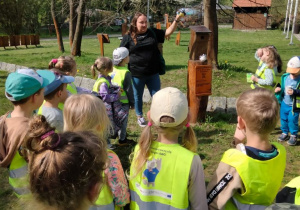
152 169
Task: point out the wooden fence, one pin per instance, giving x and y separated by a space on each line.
17 40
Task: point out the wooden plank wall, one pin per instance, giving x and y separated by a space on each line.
250 21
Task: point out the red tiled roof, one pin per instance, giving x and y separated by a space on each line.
251 3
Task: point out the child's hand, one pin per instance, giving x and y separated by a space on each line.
277 89
259 52
254 78
290 91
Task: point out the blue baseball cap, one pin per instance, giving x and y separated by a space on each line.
59 79
25 82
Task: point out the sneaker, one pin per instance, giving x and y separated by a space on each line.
126 142
292 141
141 121
283 137
111 146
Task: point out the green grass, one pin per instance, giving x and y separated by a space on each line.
236 57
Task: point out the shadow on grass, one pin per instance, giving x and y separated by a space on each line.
175 67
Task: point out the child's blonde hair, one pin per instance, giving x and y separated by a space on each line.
63 168
165 124
274 59
260 110
65 64
83 112
101 64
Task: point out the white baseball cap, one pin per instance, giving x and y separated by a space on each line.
293 65
169 102
119 54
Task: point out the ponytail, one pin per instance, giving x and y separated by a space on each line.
93 70
144 151
189 140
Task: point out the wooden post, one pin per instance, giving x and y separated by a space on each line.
167 26
124 28
103 38
199 75
177 41
158 25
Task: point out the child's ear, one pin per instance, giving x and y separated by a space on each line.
241 123
58 93
148 116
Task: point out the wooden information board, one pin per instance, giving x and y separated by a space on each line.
203 80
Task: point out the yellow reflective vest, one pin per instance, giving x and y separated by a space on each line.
163 182
18 176
261 179
118 76
105 199
295 183
98 82
261 75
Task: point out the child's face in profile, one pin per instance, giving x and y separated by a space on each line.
126 60
64 93
266 54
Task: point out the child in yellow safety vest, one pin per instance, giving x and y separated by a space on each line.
121 76
86 112
64 168
269 66
25 89
165 174
249 176
66 65
110 94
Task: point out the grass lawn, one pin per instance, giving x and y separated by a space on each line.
236 57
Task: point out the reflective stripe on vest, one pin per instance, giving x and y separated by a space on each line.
137 203
261 75
295 183
18 175
98 82
118 76
164 179
105 198
260 186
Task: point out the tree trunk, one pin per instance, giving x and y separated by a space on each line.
57 28
210 21
72 23
76 46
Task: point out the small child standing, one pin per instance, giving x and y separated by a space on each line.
269 65
163 173
249 176
55 93
110 93
289 95
121 77
25 89
86 112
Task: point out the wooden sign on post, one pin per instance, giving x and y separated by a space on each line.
199 74
103 38
167 26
